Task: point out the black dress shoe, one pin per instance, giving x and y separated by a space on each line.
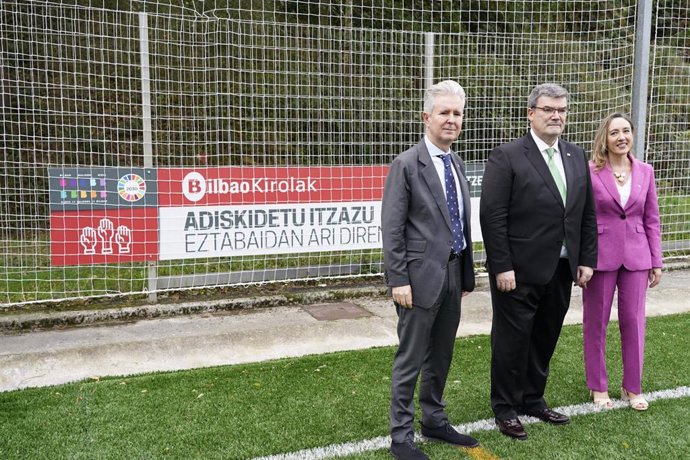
512 428
407 451
549 416
447 433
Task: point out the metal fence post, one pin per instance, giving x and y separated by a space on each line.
640 91
428 59
146 124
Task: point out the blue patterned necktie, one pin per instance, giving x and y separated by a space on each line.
453 208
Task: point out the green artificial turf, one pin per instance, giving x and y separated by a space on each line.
244 411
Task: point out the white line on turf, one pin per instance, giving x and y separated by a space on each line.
383 442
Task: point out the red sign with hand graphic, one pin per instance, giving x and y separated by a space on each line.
104 236
103 215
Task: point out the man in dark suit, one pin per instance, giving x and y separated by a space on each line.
428 267
540 234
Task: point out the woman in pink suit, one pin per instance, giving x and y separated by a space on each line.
629 258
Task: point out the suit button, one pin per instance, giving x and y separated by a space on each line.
622 216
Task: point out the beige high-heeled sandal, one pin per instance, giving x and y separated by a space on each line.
637 402
601 399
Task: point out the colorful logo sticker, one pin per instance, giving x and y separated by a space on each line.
82 188
131 187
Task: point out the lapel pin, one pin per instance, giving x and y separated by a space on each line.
567 154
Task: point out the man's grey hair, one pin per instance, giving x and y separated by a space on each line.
443 88
548 90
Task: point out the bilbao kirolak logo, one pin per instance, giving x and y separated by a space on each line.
195 186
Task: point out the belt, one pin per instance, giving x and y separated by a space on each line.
454 255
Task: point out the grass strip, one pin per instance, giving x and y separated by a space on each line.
245 411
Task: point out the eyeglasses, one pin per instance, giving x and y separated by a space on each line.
550 110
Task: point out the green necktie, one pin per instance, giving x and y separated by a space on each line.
555 173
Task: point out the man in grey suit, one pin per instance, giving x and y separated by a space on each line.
540 234
428 267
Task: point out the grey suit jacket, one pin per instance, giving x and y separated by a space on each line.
523 218
416 229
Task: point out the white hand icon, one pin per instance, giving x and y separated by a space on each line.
88 240
123 238
105 232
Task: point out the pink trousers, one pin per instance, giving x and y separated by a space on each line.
597 300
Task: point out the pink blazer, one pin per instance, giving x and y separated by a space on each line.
629 236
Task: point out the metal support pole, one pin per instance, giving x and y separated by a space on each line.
428 59
146 122
640 92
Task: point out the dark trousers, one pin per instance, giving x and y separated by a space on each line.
525 329
427 338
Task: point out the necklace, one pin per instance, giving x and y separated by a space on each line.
620 176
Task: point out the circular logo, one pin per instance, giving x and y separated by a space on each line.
194 186
131 187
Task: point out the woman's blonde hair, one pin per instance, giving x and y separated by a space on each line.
599 151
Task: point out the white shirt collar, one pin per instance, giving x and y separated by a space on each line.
541 145
433 150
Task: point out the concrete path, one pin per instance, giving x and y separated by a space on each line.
61 355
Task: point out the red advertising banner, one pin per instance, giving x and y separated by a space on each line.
116 215
104 236
269 185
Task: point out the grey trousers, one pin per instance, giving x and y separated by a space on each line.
427 339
